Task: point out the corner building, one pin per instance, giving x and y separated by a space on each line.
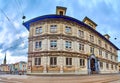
59 44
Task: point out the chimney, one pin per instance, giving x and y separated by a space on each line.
107 36
89 22
61 10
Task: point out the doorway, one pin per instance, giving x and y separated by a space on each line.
92 66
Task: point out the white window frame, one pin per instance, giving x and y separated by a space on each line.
68 44
53 28
37 61
38 30
53 43
69 61
82 62
68 29
81 33
54 61
38 44
81 47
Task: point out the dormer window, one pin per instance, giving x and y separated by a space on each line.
61 12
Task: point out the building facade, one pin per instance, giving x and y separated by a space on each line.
59 44
20 67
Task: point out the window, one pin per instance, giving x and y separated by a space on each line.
116 59
107 65
100 52
106 46
38 30
112 66
82 62
106 55
99 42
111 57
90 24
68 61
38 44
53 43
101 65
53 28
81 47
91 50
53 61
68 44
110 49
68 29
91 38
37 61
115 67
115 51
61 12
81 34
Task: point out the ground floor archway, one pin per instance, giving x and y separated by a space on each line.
93 65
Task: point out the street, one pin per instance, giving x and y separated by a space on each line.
111 78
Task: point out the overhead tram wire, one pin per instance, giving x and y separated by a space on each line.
20 7
10 22
17 11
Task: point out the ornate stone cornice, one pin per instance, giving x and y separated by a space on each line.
57 53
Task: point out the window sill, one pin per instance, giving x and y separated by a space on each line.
53 66
81 37
82 51
53 31
69 49
68 33
69 66
38 33
37 49
53 48
82 66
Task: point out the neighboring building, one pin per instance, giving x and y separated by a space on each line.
17 68
4 67
59 44
11 68
20 67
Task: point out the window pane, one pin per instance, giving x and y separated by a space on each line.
35 61
53 43
66 61
39 61
37 30
55 61
36 44
40 29
40 44
70 61
83 62
53 28
68 29
51 61
68 44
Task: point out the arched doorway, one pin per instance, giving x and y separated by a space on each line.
92 66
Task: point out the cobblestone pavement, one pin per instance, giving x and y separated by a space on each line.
111 78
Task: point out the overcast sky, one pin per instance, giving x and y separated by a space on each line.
14 36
